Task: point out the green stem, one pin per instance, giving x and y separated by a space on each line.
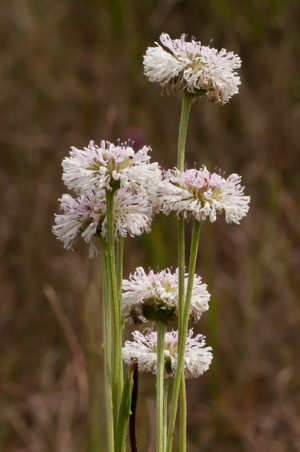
181 332
184 118
119 270
192 268
181 270
182 337
125 411
117 324
160 387
185 111
120 248
183 416
107 347
166 388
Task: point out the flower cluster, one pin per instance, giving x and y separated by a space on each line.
197 358
110 166
203 194
154 296
86 216
190 66
93 171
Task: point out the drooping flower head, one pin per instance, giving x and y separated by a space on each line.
154 296
110 166
86 216
190 66
197 358
204 194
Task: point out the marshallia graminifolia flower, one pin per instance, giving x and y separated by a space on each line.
154 296
190 66
110 166
197 357
86 216
202 194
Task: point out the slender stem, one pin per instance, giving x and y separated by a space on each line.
117 326
183 416
119 270
160 387
192 267
120 249
184 118
181 269
185 111
166 388
125 411
181 331
107 347
182 337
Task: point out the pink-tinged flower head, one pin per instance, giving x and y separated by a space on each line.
86 216
190 66
197 358
110 166
154 296
203 194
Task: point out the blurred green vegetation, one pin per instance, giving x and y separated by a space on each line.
71 71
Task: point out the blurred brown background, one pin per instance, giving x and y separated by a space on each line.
71 71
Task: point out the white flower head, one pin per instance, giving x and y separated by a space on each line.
154 296
110 166
190 66
203 194
86 216
197 358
